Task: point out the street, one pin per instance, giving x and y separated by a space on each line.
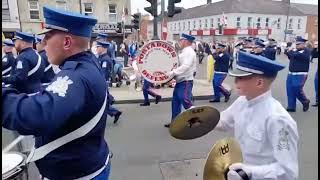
143 149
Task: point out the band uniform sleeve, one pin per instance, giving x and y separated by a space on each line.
46 111
186 62
21 72
284 139
226 122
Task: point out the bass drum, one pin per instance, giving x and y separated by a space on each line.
14 166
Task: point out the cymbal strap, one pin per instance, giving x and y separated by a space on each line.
243 174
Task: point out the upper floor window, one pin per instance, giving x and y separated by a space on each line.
200 24
290 23
189 25
194 24
238 22
299 23
179 26
211 23
218 22
258 22
278 23
34 9
249 22
61 4
206 23
184 26
112 13
88 8
267 23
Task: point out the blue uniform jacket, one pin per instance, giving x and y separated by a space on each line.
73 98
48 70
26 61
106 64
221 62
270 52
8 61
299 60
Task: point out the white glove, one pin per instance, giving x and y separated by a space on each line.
237 166
233 175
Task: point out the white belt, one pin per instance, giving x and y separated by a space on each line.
218 72
6 70
33 70
92 175
42 151
298 73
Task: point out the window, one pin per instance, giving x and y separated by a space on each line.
179 26
258 22
189 25
88 8
5 11
206 23
299 23
112 13
61 4
267 22
34 9
249 22
184 26
211 23
175 26
194 24
290 23
238 22
200 24
225 21
278 23
218 22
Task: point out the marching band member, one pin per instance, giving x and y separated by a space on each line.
271 50
147 90
266 132
298 74
258 48
221 67
29 69
67 118
182 93
8 60
48 71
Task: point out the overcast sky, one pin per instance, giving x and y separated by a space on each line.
140 4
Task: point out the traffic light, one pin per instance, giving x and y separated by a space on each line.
136 20
119 27
172 10
153 9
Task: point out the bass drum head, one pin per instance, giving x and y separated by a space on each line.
10 161
155 61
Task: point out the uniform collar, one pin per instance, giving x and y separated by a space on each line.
41 51
25 49
260 98
76 58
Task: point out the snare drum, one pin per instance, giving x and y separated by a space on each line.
14 166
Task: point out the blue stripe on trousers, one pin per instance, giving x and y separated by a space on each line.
182 95
294 86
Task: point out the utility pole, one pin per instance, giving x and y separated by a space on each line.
153 10
288 12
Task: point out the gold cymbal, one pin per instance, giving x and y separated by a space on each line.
223 153
194 122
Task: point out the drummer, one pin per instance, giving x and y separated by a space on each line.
67 118
267 134
182 93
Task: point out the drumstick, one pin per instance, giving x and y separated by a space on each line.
14 142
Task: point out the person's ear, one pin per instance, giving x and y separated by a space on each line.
67 42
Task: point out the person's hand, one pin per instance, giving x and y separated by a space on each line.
171 74
238 166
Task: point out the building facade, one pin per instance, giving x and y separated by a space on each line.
10 18
108 12
259 18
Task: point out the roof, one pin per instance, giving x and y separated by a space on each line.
238 6
307 9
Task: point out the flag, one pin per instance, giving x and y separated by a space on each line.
164 25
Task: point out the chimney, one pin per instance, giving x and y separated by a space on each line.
209 1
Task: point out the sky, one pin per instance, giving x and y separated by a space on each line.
140 4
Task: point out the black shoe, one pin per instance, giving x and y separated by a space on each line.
315 105
306 106
167 125
214 100
227 98
291 110
145 104
158 98
116 117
